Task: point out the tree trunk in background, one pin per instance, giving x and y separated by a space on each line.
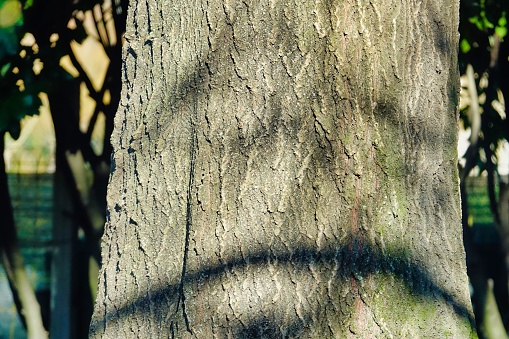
23 292
65 106
286 169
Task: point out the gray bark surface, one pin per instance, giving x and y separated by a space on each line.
286 169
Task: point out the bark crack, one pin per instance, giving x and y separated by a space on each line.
192 159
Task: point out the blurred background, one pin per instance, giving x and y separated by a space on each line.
60 81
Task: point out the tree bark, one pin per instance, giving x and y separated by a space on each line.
286 170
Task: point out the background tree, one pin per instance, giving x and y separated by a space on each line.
484 62
286 170
16 102
55 26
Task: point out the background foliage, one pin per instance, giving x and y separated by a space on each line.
36 39
484 63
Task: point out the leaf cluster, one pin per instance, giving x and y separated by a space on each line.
483 45
34 36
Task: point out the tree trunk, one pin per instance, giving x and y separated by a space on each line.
286 170
23 292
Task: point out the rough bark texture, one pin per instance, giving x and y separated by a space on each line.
286 169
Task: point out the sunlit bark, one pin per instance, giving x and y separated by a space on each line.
286 169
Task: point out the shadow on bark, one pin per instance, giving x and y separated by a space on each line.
356 258
362 263
268 329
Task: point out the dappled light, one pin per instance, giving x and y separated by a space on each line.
276 170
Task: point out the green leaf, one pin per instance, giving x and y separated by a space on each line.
502 22
501 31
481 21
8 42
28 4
4 69
11 16
16 106
465 46
10 13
